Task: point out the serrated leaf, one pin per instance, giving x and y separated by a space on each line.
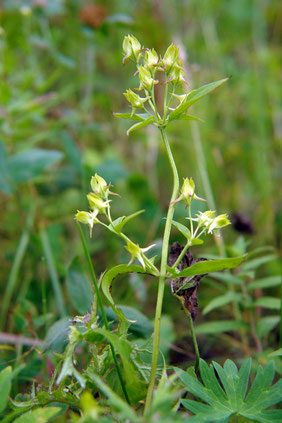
40 415
211 382
232 400
269 282
182 229
194 96
119 223
222 300
5 387
142 124
219 327
209 266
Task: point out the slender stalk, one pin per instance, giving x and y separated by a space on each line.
47 251
101 306
162 272
190 320
181 255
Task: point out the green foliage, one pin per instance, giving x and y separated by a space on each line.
229 396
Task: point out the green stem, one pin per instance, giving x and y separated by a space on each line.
181 255
190 320
162 272
50 261
102 309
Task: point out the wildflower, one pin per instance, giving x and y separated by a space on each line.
97 203
99 186
135 100
187 192
171 58
136 252
146 80
212 223
151 60
131 48
88 218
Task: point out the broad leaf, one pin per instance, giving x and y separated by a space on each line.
208 266
222 402
142 124
194 96
40 415
28 164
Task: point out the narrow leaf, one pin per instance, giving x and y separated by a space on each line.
5 387
220 327
244 374
194 96
210 266
138 117
268 302
182 229
211 382
269 282
121 221
255 263
142 124
221 301
266 324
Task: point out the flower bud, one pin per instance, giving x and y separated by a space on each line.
151 60
87 218
170 58
131 48
135 100
136 252
99 186
97 203
176 75
146 80
187 191
210 222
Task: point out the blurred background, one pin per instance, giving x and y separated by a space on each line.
61 79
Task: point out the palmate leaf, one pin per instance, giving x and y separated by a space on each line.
228 395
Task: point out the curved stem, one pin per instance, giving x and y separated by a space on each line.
102 309
181 255
162 272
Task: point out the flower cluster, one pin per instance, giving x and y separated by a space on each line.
148 63
100 204
210 222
